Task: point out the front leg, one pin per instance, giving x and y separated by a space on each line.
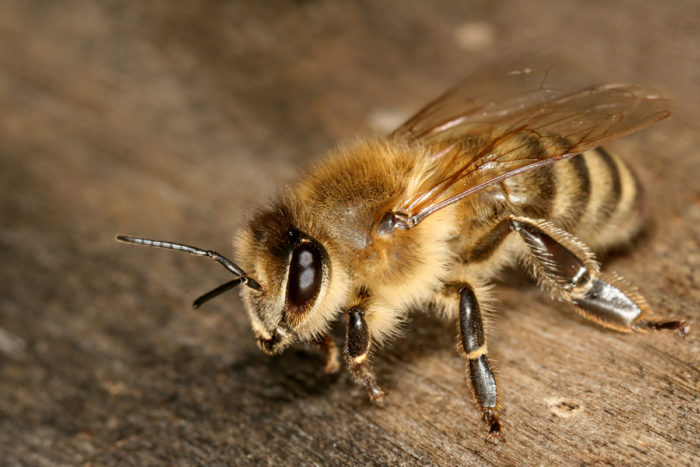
473 340
357 346
327 345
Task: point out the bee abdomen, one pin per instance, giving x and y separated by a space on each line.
594 196
598 199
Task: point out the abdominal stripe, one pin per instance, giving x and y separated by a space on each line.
579 198
614 191
536 187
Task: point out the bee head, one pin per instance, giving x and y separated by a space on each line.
296 301
292 293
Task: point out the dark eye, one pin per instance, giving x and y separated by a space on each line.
304 275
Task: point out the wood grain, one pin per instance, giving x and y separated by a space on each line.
173 119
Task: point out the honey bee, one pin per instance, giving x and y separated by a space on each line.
427 217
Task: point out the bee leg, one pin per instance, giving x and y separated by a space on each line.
566 267
327 345
473 342
356 353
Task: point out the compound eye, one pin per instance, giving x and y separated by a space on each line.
304 275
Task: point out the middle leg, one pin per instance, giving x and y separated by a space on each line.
473 343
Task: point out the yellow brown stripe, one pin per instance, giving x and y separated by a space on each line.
477 353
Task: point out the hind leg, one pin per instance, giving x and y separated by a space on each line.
566 267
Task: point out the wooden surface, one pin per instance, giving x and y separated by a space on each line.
172 119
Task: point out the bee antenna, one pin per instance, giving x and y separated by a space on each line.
222 260
216 292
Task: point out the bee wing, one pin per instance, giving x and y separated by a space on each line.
485 96
475 142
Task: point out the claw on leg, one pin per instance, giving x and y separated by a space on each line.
376 395
495 435
682 328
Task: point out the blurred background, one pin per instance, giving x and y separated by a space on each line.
172 119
